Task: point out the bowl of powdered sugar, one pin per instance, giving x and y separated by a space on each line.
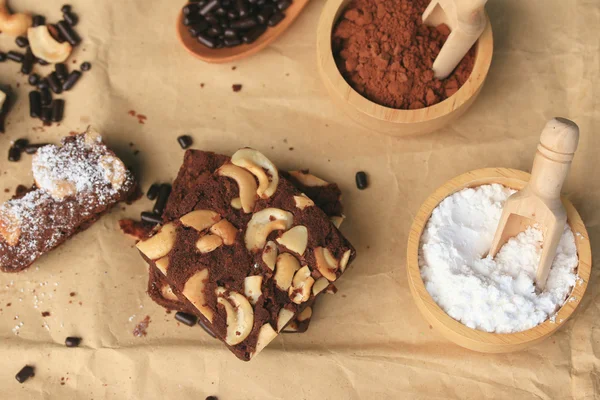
491 304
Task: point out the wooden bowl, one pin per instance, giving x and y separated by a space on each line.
230 54
457 332
387 120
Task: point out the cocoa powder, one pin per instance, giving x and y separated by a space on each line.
386 53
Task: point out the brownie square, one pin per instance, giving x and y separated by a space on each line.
242 245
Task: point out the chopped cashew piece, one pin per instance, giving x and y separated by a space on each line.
13 24
114 170
287 265
292 327
320 285
302 202
2 99
337 220
252 288
283 318
269 255
160 244
265 336
236 203
263 223
326 263
167 293
10 226
162 264
305 314
240 316
246 184
301 287
344 260
200 219
295 239
194 291
208 243
44 46
308 179
255 162
225 230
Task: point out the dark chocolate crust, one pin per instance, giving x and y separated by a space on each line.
198 188
39 220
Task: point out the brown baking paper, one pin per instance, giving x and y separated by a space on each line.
368 341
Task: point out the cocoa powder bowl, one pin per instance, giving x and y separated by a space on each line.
388 120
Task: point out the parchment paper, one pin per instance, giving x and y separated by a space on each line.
368 341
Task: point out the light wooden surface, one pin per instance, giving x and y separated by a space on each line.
454 330
539 202
230 54
389 120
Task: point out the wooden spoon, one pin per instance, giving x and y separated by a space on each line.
539 202
466 20
229 54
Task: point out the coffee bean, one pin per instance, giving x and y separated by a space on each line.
163 196
46 114
28 61
208 7
220 12
72 341
214 31
198 28
242 8
185 318
22 41
25 373
261 3
65 8
254 34
85 66
212 398
71 18
207 40
151 218
46 96
266 13
32 148
191 20
61 71
71 80
33 79
58 109
15 56
230 33
38 20
232 42
245 23
206 328
2 56
232 15
54 83
55 33
14 154
35 104
276 18
41 62
185 141
361 180
21 144
68 33
153 191
42 84
283 5
219 45
191 9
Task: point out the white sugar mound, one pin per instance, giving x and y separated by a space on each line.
492 295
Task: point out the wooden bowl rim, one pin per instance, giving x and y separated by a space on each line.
470 337
225 55
375 110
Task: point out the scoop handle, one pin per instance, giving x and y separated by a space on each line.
552 162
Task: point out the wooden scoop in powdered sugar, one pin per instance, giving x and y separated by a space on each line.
539 202
466 20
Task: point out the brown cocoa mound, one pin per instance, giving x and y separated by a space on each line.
386 53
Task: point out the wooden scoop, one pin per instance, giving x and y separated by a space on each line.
230 54
466 20
539 202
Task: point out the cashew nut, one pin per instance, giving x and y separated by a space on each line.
44 46
10 226
254 161
344 260
283 318
208 243
301 287
263 223
240 316
160 244
287 265
225 230
295 239
252 288
194 291
162 264
236 203
307 179
114 170
326 263
265 336
320 285
13 24
167 293
269 255
246 184
305 314
302 202
200 219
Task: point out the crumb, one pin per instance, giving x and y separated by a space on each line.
233 68
7 190
135 153
291 149
136 229
236 87
284 140
131 144
202 85
132 113
140 329
142 118
46 314
72 294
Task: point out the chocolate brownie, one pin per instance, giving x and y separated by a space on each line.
75 183
245 247
326 196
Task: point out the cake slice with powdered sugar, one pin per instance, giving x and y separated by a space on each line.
75 183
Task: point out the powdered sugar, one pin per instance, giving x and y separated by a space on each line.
493 295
